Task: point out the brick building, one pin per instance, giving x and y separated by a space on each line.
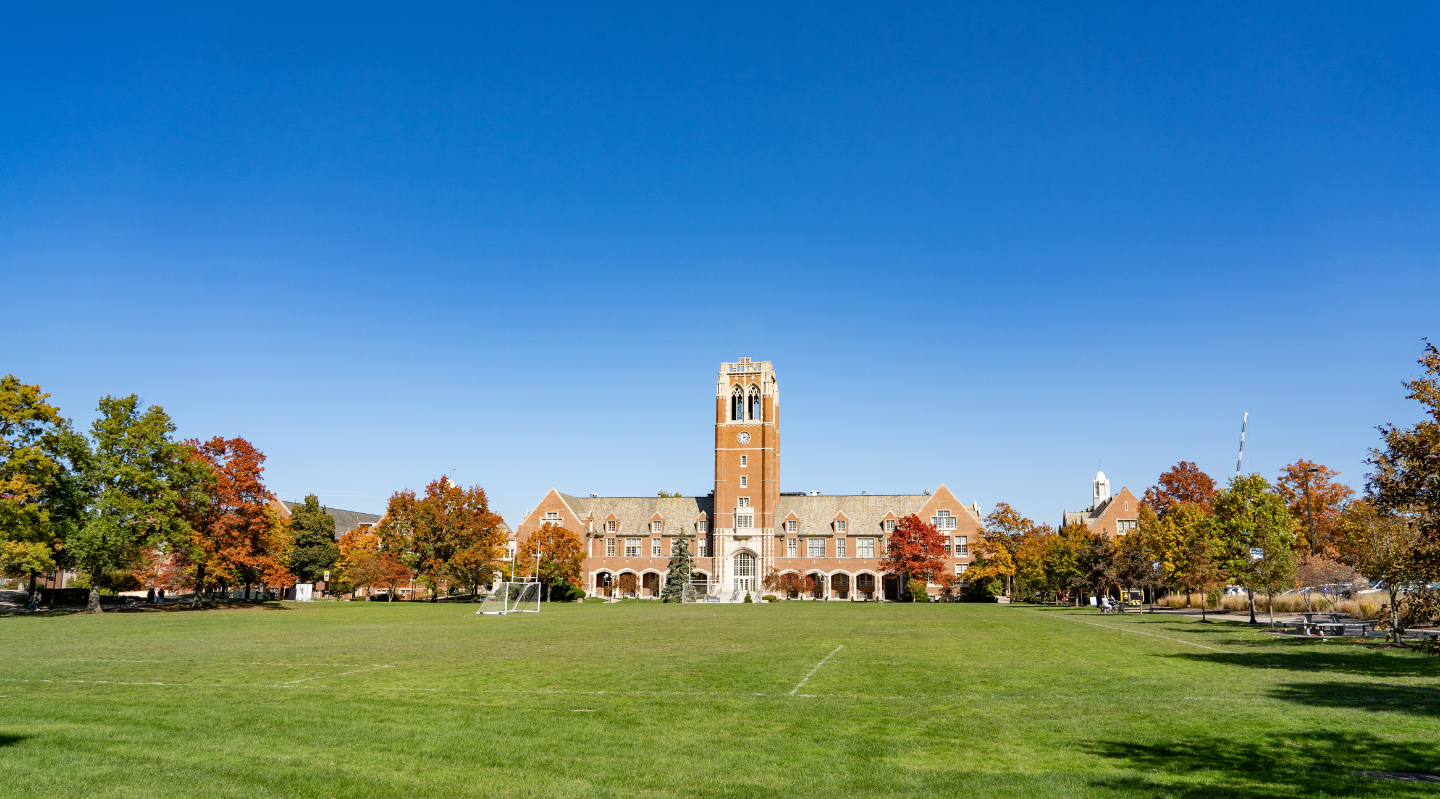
1106 515
748 527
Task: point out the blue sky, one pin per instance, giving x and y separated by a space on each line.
986 246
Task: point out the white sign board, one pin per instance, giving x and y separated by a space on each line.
303 592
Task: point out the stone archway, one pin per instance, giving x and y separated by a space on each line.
840 586
650 584
865 586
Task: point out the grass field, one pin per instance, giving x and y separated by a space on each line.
786 700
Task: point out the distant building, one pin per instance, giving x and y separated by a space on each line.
345 520
1109 515
747 527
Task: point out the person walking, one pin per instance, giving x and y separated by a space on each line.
161 596
150 596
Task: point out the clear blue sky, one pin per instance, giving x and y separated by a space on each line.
990 247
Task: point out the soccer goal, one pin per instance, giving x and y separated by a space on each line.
511 597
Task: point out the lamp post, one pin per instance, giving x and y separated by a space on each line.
1310 508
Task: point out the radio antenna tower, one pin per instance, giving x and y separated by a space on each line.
1241 457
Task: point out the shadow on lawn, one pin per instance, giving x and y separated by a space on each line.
72 610
11 740
1364 696
1292 765
1311 658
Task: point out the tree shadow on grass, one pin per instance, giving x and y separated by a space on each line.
1415 700
11 740
1332 659
1295 764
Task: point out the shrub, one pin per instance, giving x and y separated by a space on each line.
770 598
748 600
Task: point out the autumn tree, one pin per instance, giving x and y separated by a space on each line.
1404 487
916 550
1095 562
313 531
43 494
627 585
561 556
677 574
431 532
1137 563
784 584
139 478
364 563
1385 547
1000 539
236 537
1191 563
1180 484
1325 500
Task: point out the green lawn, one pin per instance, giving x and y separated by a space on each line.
376 700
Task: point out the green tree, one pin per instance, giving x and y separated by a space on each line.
1189 550
42 490
314 532
1255 534
677 575
1385 547
138 476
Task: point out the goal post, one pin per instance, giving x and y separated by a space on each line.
515 596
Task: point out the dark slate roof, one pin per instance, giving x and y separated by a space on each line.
345 520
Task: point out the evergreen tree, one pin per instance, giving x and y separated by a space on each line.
314 533
681 565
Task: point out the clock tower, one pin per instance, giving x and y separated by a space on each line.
747 469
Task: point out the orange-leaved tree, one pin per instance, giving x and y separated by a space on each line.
236 538
916 551
1327 499
1181 483
561 554
365 563
451 531
1001 538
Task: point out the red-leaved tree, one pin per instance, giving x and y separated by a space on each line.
916 551
235 538
1183 482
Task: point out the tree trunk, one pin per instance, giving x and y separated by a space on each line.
93 606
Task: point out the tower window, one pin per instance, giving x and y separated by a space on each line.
744 502
744 461
754 404
737 405
744 521
744 482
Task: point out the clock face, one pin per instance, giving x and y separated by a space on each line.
743 438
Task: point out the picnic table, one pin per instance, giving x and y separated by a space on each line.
1335 625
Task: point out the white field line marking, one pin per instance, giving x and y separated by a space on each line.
1137 632
325 676
801 684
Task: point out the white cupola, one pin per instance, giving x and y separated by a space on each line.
1102 489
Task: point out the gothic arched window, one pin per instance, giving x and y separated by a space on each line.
737 405
754 404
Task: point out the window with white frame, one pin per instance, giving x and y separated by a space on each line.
889 525
962 545
632 547
960 568
744 521
744 481
744 502
654 547
702 527
815 547
864 547
1123 526
790 547
551 517
840 526
704 545
609 547
839 547
656 527
744 461
791 526
943 520
611 526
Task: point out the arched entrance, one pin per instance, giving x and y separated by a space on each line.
892 588
816 583
604 584
865 585
840 586
650 583
744 571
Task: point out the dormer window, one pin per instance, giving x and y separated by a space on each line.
611 526
889 525
840 526
656 527
791 526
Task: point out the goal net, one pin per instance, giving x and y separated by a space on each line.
511 597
